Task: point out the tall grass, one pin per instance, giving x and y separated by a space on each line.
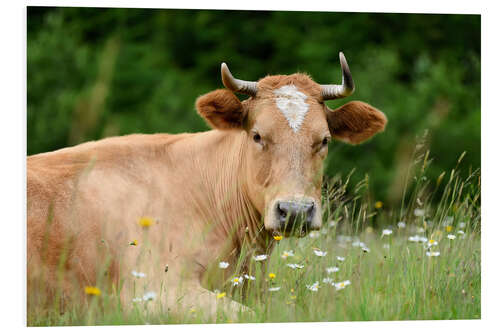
392 275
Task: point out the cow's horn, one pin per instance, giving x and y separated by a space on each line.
244 87
334 91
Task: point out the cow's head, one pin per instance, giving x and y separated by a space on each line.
287 128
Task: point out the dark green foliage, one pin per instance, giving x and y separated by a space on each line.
100 72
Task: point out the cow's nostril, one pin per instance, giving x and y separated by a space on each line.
293 214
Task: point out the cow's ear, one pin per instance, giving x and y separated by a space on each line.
221 109
355 122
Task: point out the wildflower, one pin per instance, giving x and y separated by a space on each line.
386 246
358 243
432 254
341 285
379 204
272 276
295 266
450 236
386 232
149 296
274 288
419 212
146 222
134 242
192 310
260 257
460 232
417 239
401 225
278 237
313 287
328 280
220 295
332 269
320 253
138 274
449 228
461 225
137 300
432 242
287 254
249 277
332 223
237 280
223 265
92 291
314 234
340 258
365 249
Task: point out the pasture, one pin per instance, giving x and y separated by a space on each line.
418 261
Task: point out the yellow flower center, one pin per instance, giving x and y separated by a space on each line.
342 284
449 228
272 275
221 295
432 241
92 291
146 222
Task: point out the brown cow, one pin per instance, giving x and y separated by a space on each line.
144 203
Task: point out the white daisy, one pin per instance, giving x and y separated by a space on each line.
450 236
314 234
401 225
358 243
320 253
327 280
313 287
432 242
295 266
223 265
432 254
260 257
237 281
365 249
249 277
460 232
287 254
461 225
138 274
386 232
274 288
340 258
149 296
341 285
332 269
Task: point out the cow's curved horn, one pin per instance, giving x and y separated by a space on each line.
334 91
244 87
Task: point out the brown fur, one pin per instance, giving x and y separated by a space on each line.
211 195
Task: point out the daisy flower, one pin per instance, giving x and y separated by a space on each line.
450 236
295 266
432 242
332 269
320 253
358 243
401 225
260 257
287 254
223 265
386 232
432 254
460 232
313 287
314 234
149 296
340 258
328 280
274 288
249 277
341 285
138 274
237 280
365 249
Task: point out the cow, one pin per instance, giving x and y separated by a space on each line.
159 216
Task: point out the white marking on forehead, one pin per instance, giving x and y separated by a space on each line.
292 103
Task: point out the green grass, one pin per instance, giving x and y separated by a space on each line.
395 280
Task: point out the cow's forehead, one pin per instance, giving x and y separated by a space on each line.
302 82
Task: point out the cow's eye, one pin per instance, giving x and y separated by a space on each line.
256 137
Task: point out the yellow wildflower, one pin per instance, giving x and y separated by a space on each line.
221 295
134 242
192 310
92 291
449 228
379 204
278 237
293 297
146 222
272 276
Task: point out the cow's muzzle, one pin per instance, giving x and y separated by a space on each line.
295 216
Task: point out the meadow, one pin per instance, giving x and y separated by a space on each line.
419 261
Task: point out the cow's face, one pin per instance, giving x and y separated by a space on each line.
287 129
